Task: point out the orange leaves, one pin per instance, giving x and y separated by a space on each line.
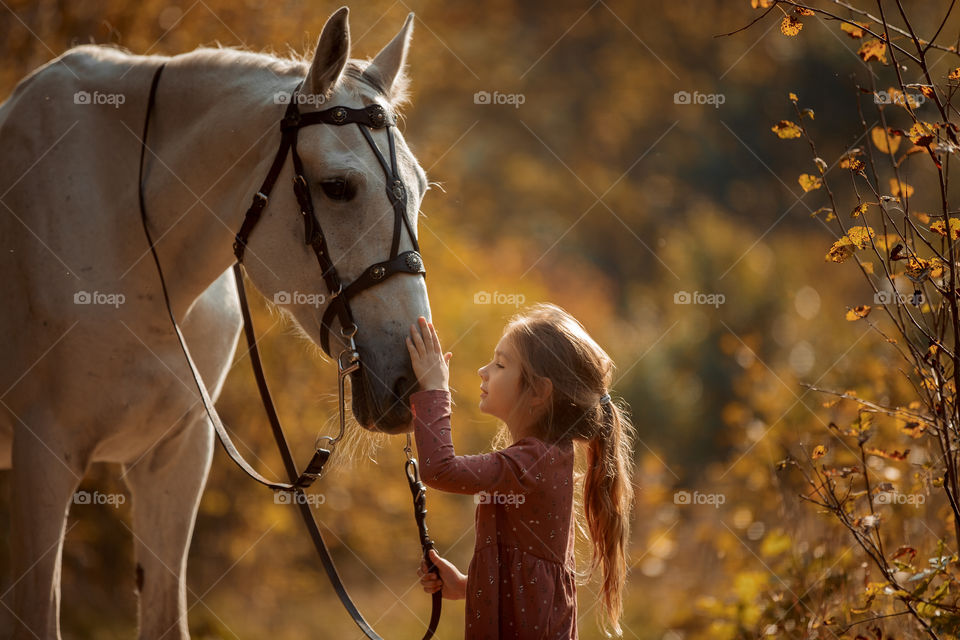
883 141
790 26
856 238
761 4
809 182
922 134
818 452
900 188
857 313
854 30
859 210
873 49
940 226
890 455
786 130
954 75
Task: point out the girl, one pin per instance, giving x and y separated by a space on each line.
548 382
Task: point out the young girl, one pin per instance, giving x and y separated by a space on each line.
548 382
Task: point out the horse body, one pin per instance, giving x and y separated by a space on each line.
91 369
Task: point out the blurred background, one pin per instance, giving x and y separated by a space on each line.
624 168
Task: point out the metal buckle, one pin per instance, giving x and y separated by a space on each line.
338 115
260 200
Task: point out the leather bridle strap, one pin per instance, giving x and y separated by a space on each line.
314 469
373 116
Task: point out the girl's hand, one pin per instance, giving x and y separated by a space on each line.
430 364
453 583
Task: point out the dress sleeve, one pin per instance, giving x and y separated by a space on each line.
502 471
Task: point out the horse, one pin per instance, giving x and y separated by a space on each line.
92 370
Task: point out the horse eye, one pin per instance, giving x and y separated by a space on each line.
337 189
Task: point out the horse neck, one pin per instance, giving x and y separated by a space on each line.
215 131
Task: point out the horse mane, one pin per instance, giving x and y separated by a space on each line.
296 64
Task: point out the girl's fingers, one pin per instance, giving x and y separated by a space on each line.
424 333
417 339
436 339
410 348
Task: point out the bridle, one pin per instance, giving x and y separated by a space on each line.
373 116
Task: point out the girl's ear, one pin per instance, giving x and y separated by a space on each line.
542 390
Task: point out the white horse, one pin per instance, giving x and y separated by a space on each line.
91 369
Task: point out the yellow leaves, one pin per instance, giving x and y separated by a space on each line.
840 251
775 543
940 226
922 134
790 26
826 210
818 452
786 130
854 30
849 160
761 4
899 187
859 210
860 236
793 97
954 75
803 11
883 141
856 238
922 217
809 182
873 49
891 455
856 313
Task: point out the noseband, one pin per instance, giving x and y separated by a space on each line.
373 116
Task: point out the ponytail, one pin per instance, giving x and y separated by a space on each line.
608 499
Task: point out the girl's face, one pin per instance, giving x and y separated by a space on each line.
500 385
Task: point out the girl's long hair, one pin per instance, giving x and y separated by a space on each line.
552 344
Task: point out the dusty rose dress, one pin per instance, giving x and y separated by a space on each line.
520 583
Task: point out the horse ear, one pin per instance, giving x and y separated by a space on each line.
388 67
333 49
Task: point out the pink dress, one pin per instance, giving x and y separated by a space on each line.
520 583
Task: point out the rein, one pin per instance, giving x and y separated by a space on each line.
348 361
